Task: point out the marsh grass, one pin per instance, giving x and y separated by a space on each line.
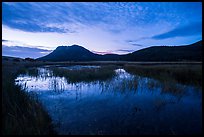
172 87
22 114
167 87
129 84
151 84
123 85
33 72
86 74
183 74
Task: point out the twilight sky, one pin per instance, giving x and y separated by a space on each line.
34 29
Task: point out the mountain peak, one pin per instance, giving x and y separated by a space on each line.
72 46
75 45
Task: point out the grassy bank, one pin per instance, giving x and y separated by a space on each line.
183 74
22 114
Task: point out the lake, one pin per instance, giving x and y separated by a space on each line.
124 104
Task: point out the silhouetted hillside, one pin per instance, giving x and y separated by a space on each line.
191 52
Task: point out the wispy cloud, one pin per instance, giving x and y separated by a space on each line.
17 51
121 51
20 44
3 40
36 17
101 52
133 43
20 49
118 51
125 50
188 30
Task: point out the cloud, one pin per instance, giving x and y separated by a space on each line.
3 40
20 44
125 50
183 31
101 52
35 17
118 51
133 42
48 16
53 17
24 52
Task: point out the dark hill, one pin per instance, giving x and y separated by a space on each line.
69 53
191 52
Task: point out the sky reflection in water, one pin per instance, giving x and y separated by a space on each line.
125 104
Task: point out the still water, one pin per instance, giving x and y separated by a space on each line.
125 104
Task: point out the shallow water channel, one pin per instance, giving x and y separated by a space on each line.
124 104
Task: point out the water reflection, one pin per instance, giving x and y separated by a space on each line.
125 104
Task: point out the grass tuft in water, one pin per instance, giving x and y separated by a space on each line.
85 75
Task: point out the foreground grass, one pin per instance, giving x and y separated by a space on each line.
22 114
85 75
183 74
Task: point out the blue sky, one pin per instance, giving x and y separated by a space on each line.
101 27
